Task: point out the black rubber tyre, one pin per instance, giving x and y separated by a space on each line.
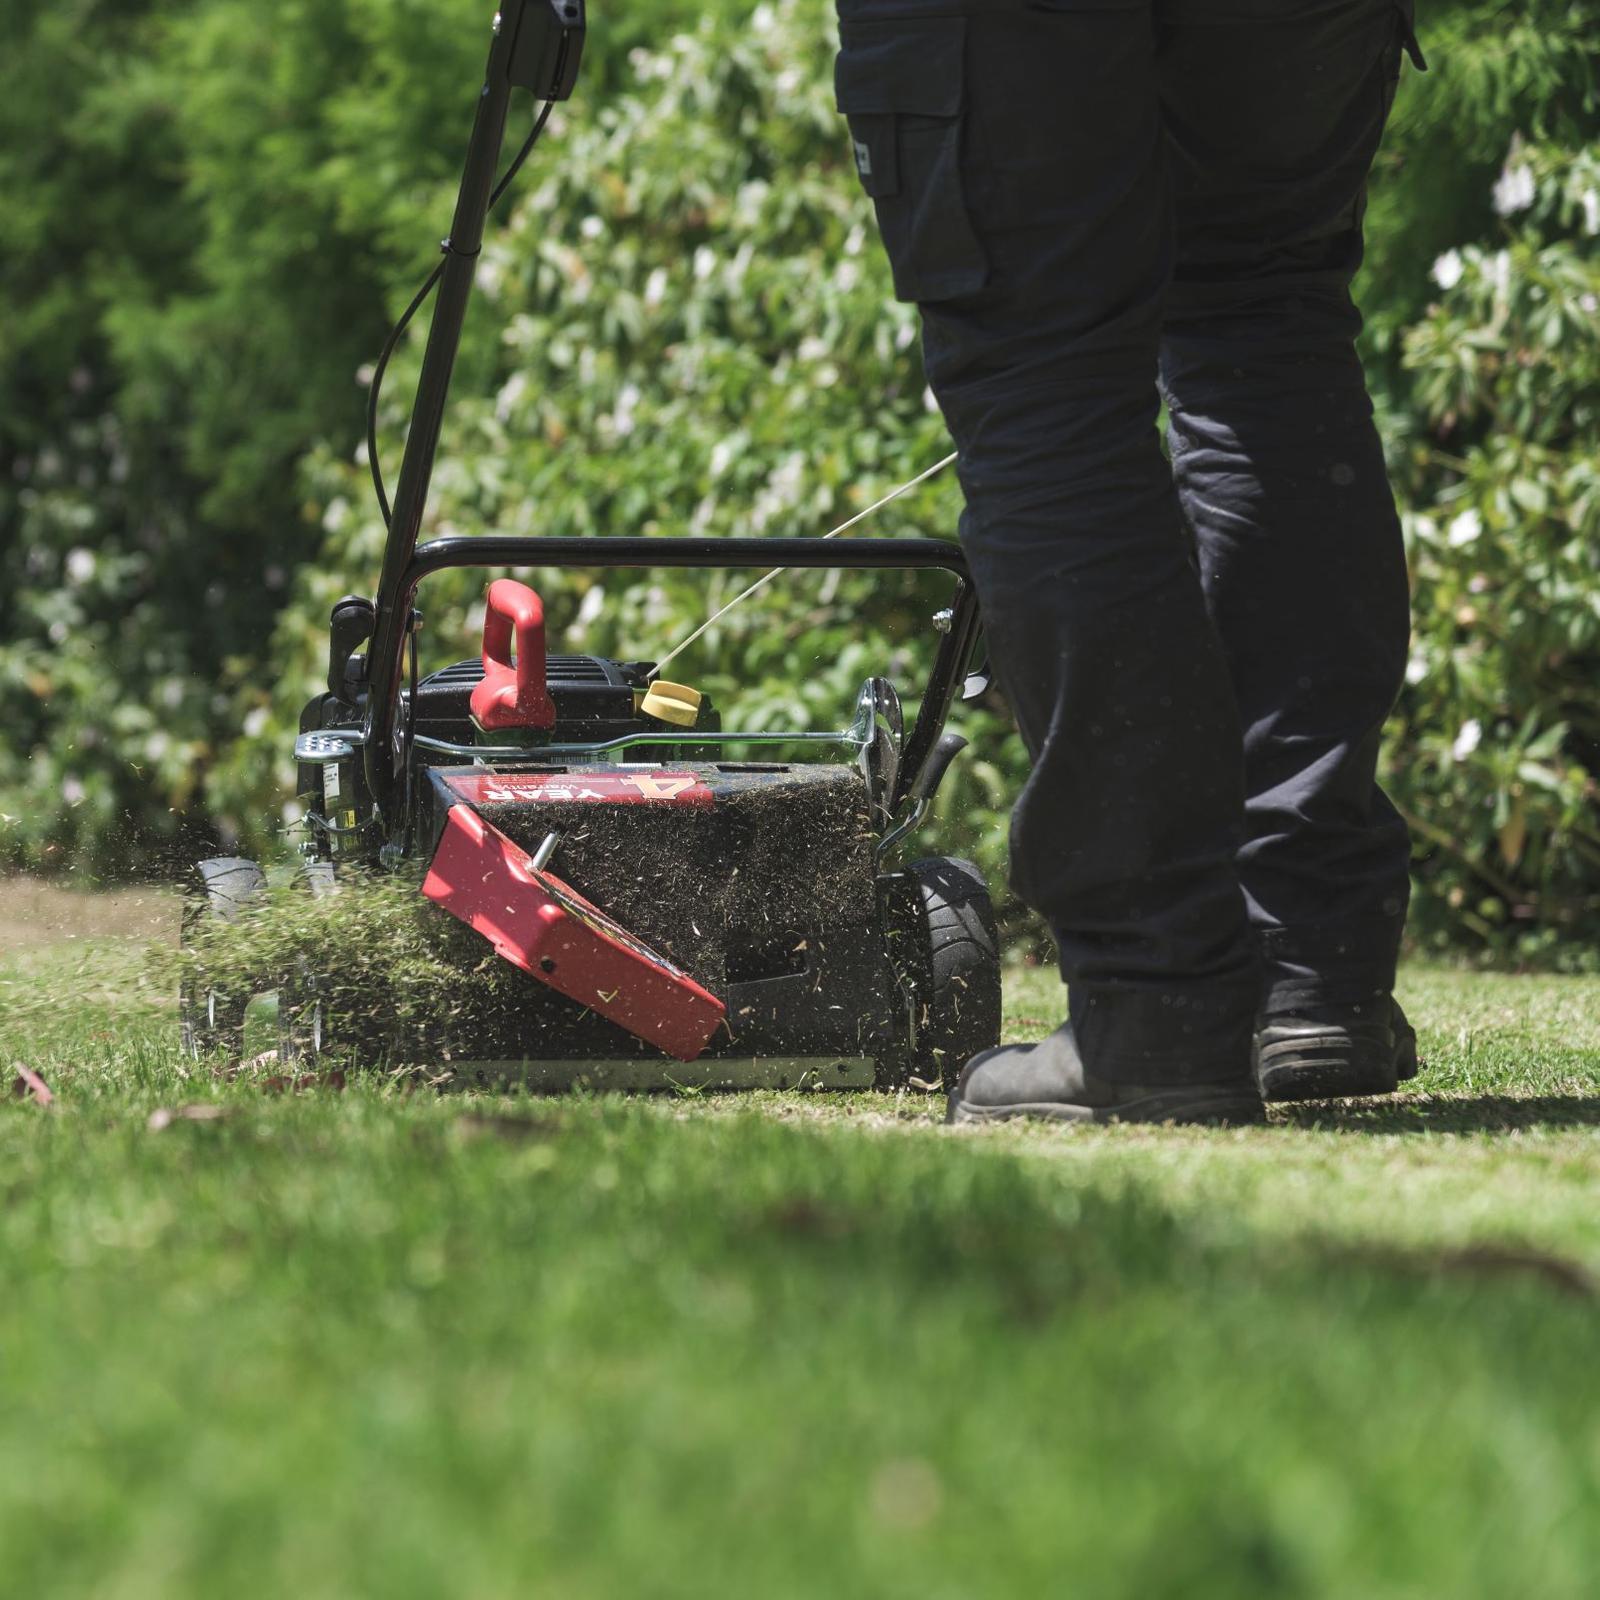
210 1020
304 1026
948 953
316 1019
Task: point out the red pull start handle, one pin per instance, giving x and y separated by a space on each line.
513 695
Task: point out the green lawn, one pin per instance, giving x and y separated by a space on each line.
390 1344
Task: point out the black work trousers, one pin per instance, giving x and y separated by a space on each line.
1095 204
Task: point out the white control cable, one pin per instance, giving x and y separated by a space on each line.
844 527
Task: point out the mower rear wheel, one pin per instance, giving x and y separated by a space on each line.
948 952
210 1019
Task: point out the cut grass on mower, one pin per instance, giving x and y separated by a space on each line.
387 1342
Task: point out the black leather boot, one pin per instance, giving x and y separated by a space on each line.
1048 1080
1328 1052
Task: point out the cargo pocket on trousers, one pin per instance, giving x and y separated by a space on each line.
902 87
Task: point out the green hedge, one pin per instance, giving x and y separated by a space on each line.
685 323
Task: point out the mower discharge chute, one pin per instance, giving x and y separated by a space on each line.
676 916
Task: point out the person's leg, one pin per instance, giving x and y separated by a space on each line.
1016 155
1274 109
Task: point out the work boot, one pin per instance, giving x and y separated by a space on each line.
1048 1080
1330 1052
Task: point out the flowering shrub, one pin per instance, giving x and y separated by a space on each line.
685 324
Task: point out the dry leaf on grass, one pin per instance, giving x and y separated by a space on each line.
165 1116
333 1081
30 1086
513 1129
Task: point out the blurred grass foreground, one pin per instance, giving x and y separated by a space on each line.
355 1337
343 1334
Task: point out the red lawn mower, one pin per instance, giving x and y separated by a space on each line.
677 912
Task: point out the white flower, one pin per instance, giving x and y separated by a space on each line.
510 393
80 565
1497 273
1464 529
1468 739
490 275
1417 668
705 262
72 791
789 476
591 227
1448 268
627 403
255 723
1590 201
655 288
592 604
703 513
1514 191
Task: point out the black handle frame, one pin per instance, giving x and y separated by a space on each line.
523 32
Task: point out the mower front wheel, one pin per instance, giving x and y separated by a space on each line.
948 954
304 1025
211 1019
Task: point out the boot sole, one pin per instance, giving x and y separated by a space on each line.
1331 1065
1235 1108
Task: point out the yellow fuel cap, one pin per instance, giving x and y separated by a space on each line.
676 703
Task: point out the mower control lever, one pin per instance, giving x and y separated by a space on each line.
950 745
921 793
548 48
513 692
349 628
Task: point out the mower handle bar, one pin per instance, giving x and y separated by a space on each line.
536 46
383 757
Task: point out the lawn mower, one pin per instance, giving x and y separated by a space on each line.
670 910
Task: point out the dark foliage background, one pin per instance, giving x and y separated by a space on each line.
213 208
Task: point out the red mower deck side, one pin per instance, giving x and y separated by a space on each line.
545 927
